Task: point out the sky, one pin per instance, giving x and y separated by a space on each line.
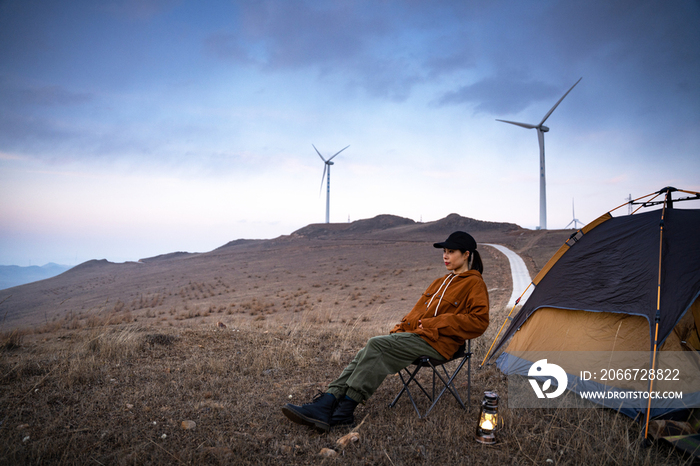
133 128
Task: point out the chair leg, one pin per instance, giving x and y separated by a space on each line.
448 385
407 390
469 373
447 381
411 376
403 389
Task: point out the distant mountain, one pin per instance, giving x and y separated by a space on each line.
14 275
392 227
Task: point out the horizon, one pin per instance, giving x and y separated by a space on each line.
649 208
237 239
133 129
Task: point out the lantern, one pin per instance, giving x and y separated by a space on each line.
488 419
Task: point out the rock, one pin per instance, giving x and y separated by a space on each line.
188 425
346 440
328 453
222 453
287 450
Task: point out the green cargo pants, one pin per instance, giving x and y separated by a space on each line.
381 356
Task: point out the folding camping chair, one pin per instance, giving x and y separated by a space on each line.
463 355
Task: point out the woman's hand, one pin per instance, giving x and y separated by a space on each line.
420 324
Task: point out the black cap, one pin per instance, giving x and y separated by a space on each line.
458 240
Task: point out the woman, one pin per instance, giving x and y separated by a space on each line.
453 309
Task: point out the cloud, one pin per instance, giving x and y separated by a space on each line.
282 35
229 47
362 43
30 134
53 95
636 47
12 95
447 59
7 156
138 10
500 95
386 78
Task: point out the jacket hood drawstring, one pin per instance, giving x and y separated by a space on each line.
450 278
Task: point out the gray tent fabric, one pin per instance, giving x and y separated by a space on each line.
615 268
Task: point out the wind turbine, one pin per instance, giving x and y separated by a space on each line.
327 167
575 221
541 129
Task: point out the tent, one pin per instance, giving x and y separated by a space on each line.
622 285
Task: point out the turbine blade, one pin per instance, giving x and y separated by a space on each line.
319 154
320 191
557 104
341 150
524 125
566 227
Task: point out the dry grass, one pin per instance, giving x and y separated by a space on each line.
117 393
110 381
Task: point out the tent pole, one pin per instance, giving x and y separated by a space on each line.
651 381
657 318
629 202
642 205
504 324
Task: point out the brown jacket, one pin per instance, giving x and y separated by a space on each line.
463 312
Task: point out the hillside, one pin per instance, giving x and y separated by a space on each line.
187 358
350 268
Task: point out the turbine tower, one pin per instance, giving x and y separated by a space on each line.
541 129
575 221
327 167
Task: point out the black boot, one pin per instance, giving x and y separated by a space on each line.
343 414
315 414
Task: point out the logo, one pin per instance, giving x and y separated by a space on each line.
541 369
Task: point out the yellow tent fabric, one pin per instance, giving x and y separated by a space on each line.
550 329
599 341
